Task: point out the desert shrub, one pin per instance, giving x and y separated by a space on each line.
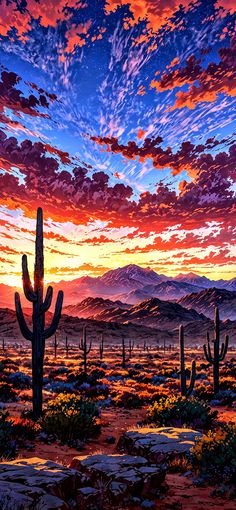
7 444
7 392
24 429
204 392
20 380
228 383
60 387
95 375
214 456
59 371
128 399
226 398
71 417
99 390
181 412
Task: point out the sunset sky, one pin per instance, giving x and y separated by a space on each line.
118 118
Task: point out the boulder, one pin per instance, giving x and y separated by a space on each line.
158 444
49 502
37 483
118 477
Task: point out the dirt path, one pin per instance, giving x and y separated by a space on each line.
183 495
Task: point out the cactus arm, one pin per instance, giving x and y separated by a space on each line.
48 299
224 349
27 285
56 317
207 351
193 379
90 347
27 334
81 345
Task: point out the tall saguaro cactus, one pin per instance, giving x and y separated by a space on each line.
39 334
185 392
84 348
218 353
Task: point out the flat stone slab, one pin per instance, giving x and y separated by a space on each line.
157 444
121 476
37 483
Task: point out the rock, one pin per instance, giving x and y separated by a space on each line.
119 477
32 482
49 502
158 444
14 496
87 497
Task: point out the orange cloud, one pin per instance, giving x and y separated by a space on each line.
206 84
76 36
155 12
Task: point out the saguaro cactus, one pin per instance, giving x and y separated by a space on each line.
56 343
67 346
123 352
35 294
185 392
218 353
3 345
84 348
101 347
164 345
131 348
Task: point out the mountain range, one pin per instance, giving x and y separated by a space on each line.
130 284
205 302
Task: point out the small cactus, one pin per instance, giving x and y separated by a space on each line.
164 345
218 353
185 392
123 352
101 347
131 348
84 348
67 346
55 344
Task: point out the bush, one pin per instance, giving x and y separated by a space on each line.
128 400
7 445
181 412
20 380
71 417
24 429
214 457
204 392
7 393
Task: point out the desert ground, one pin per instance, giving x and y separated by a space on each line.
123 396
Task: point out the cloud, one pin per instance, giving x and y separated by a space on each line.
74 196
85 267
48 13
66 195
156 13
188 157
13 99
206 84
